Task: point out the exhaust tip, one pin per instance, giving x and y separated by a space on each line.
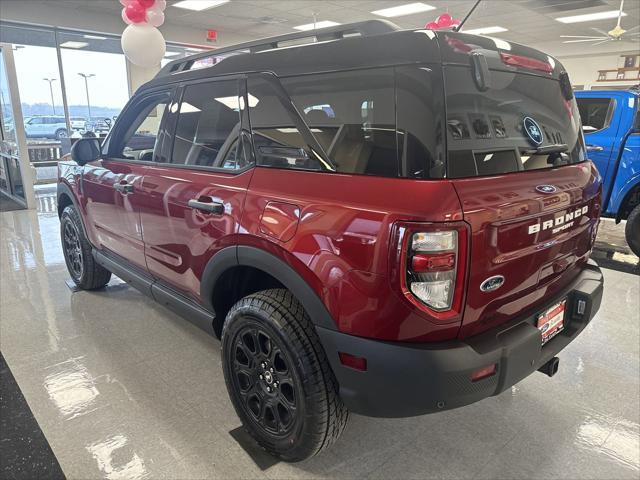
551 367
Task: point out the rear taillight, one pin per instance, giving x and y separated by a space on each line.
431 275
430 264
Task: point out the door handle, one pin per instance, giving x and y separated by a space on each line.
123 187
594 148
206 204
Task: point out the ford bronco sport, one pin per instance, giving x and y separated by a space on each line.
379 221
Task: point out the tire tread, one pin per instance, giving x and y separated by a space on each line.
321 384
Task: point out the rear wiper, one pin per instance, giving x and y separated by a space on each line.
557 153
550 149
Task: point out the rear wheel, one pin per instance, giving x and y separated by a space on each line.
278 376
632 230
86 273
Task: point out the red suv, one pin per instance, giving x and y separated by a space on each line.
389 222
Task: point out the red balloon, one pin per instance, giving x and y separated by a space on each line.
135 12
146 3
456 22
444 20
431 26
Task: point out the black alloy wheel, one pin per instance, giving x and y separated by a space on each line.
73 250
278 376
86 273
264 379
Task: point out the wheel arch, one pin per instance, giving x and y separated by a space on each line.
66 197
629 201
225 273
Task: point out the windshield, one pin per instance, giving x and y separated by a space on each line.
521 122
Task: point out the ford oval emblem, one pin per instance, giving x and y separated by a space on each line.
532 130
546 189
492 283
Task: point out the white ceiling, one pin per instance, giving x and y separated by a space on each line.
529 21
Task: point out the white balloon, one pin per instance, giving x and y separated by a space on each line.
143 45
155 17
160 5
125 19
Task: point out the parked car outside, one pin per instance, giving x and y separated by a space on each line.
46 126
78 123
391 235
99 125
611 125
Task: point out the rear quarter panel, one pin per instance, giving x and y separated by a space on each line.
342 241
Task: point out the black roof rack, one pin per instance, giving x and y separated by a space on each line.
370 27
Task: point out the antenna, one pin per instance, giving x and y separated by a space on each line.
459 27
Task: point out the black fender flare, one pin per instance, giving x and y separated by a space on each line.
63 189
242 255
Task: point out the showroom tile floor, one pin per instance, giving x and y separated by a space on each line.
122 388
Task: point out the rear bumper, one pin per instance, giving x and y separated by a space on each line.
404 380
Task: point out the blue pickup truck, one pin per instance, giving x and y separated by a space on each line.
611 126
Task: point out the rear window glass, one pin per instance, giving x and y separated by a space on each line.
522 122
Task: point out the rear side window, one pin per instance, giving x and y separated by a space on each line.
352 115
595 113
521 122
420 117
208 126
385 122
277 139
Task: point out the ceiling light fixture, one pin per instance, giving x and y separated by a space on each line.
171 54
401 10
316 25
95 37
485 30
71 44
199 5
589 17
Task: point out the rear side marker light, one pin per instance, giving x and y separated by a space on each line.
357 363
484 372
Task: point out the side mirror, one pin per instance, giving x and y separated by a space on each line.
85 150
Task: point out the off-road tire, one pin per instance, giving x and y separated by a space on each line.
86 273
632 230
320 416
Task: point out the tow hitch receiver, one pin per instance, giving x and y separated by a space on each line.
551 367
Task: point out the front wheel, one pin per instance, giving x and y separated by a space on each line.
86 273
278 376
632 230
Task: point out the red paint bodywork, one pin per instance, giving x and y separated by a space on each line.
339 233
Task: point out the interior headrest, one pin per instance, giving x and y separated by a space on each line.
318 117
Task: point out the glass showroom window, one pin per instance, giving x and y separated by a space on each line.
34 53
95 77
175 52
